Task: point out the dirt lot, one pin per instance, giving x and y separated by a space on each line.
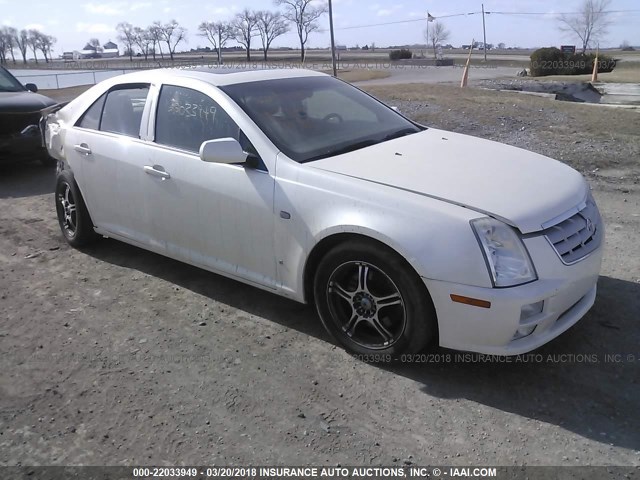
117 356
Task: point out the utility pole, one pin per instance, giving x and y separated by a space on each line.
333 43
484 32
429 20
428 32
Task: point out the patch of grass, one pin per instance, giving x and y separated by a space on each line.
625 72
483 104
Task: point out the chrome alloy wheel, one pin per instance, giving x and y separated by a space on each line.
366 304
67 210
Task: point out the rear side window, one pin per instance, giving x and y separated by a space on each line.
123 110
91 118
186 118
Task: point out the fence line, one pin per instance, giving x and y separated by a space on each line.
52 81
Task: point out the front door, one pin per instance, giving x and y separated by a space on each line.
215 215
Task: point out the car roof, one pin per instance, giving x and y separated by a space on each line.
218 76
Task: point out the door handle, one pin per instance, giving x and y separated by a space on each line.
156 172
82 148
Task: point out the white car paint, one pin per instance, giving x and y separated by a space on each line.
521 187
417 194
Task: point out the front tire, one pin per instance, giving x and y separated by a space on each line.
73 217
372 301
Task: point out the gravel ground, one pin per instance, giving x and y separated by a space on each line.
117 356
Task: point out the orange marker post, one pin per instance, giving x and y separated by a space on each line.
465 74
594 75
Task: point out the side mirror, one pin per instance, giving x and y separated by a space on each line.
32 87
222 150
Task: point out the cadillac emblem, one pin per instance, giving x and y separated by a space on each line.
591 226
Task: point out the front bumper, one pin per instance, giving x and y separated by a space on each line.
568 292
26 144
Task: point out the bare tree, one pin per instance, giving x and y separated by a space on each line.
5 44
217 33
34 43
22 41
589 24
3 47
10 35
435 35
45 42
270 25
244 28
155 34
172 34
305 17
95 43
142 40
127 35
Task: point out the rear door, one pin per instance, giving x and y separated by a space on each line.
107 146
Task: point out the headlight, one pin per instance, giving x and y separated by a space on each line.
507 258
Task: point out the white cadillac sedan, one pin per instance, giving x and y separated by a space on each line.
300 184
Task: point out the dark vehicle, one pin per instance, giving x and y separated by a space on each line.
20 112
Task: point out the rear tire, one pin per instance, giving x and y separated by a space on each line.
73 217
373 302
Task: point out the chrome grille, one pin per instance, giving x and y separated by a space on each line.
577 236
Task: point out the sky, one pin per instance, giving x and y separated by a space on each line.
73 22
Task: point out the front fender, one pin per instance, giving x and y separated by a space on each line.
434 237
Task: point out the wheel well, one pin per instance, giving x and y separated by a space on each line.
323 247
69 172
326 244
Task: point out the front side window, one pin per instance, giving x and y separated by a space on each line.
186 118
123 108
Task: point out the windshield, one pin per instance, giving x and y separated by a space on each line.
8 83
310 118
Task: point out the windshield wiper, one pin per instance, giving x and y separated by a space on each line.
349 148
365 143
400 133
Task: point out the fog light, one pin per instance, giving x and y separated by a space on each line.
524 332
528 311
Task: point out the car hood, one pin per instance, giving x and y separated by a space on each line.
522 188
23 102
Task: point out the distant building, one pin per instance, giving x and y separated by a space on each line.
89 51
110 50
